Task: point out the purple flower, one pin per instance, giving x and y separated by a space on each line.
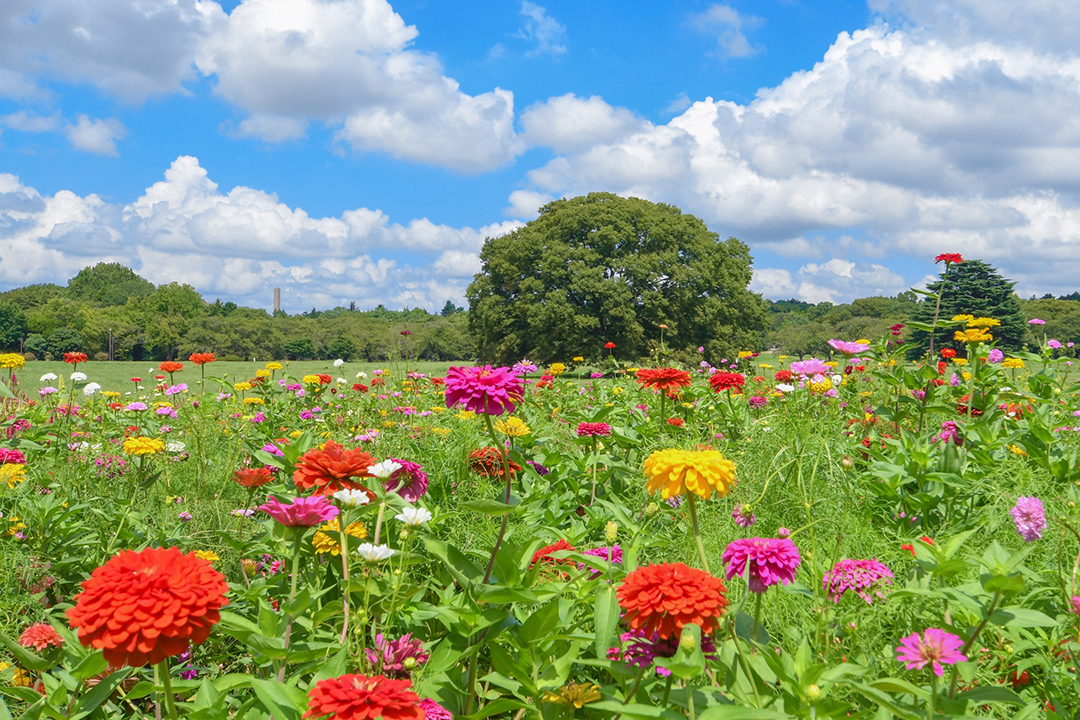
1053 344
949 431
166 411
409 481
1036 321
135 406
954 381
935 647
995 356
743 515
1030 518
764 561
847 348
185 516
178 388
757 401
641 650
612 554
540 469
524 367
273 449
396 658
864 577
810 367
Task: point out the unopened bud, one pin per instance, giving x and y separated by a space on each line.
653 508
847 463
408 663
611 531
250 566
813 693
783 533
404 533
687 642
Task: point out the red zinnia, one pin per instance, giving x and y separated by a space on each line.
253 477
170 366
325 379
142 607
542 555
360 387
667 379
359 697
949 258
948 353
74 358
662 599
783 376
675 422
487 461
589 429
726 380
911 548
202 358
40 636
609 346
331 469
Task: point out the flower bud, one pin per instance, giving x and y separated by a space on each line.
652 508
404 533
408 663
687 642
847 463
783 533
813 693
611 531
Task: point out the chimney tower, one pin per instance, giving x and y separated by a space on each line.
277 300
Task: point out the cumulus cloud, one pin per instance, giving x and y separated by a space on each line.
547 34
237 244
569 123
28 122
728 24
835 280
95 135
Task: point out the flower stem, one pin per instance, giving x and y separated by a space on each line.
166 681
344 579
933 697
299 533
692 500
506 498
757 613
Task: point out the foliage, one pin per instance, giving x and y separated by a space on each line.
108 284
601 268
12 325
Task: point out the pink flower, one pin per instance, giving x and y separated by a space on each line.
487 390
1075 609
302 512
389 657
409 481
864 577
810 367
434 711
588 429
1030 518
935 647
765 561
612 554
1036 321
848 348
743 516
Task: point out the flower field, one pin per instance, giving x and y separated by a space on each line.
854 536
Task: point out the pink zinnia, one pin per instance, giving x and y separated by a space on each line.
598 429
40 636
612 554
1075 601
409 481
848 348
765 561
389 657
935 647
8 455
864 577
434 711
302 512
743 515
487 390
810 367
1030 518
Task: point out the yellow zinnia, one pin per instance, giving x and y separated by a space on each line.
263 372
513 427
743 354
273 366
963 318
12 361
242 386
556 369
311 380
960 361
676 472
1012 363
12 474
579 359
254 401
972 335
208 555
983 322
326 543
143 445
574 695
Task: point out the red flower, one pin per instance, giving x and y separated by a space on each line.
949 258
74 358
662 599
142 607
325 379
948 353
911 548
332 469
202 358
609 346
170 367
675 422
487 461
726 380
437 381
941 365
40 636
669 380
784 376
360 387
542 555
136 380
545 381
359 697
252 477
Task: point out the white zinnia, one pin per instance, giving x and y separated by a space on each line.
375 553
90 389
48 377
78 376
341 381
384 469
783 387
339 362
413 516
352 498
361 375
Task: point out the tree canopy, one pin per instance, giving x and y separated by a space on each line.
108 284
602 268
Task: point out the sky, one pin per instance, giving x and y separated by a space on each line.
362 150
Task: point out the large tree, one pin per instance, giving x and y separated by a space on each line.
971 288
108 284
603 268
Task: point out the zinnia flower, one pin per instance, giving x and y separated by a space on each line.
597 429
668 380
413 516
935 647
676 472
435 711
810 367
662 599
544 553
487 461
142 607
864 577
1030 518
726 381
743 515
301 512
332 468
253 477
40 636
396 658
948 258
409 480
642 650
359 697
765 561
142 445
576 695
171 367
202 358
74 358
848 348
487 390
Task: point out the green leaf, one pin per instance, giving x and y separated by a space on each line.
992 694
285 701
496 707
638 710
606 618
1022 617
739 712
688 662
488 507
27 659
5 392
100 693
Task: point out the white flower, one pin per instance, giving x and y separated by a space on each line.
339 362
341 381
352 498
78 376
90 389
375 553
48 377
361 375
782 387
175 446
837 379
384 469
413 516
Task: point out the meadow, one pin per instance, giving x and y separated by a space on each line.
852 536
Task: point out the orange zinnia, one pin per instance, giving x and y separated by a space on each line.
253 477
668 379
359 697
487 461
202 358
142 607
332 469
665 598
170 367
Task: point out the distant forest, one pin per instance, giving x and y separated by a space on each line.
164 322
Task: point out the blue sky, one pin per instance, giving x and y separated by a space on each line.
361 150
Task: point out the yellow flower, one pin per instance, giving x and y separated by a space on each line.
241 386
767 366
440 430
822 386
579 359
250 566
865 393
4 666
676 472
574 694
389 423
972 335
616 390
262 372
465 415
438 409
960 361
963 318
831 363
143 445
983 322
862 341
781 357
21 678
743 354
311 380
273 366
12 361
109 393
513 427
12 474
556 369
1012 363
208 555
296 433
326 543
254 401
1017 450
966 375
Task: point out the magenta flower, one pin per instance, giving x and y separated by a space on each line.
810 367
434 711
864 577
1030 518
487 390
642 650
396 658
743 515
612 554
1036 321
301 512
1075 602
764 561
757 401
935 647
995 356
848 348
409 481
8 455
598 429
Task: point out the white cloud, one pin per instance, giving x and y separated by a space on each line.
545 32
526 204
29 122
728 24
95 136
835 280
570 124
